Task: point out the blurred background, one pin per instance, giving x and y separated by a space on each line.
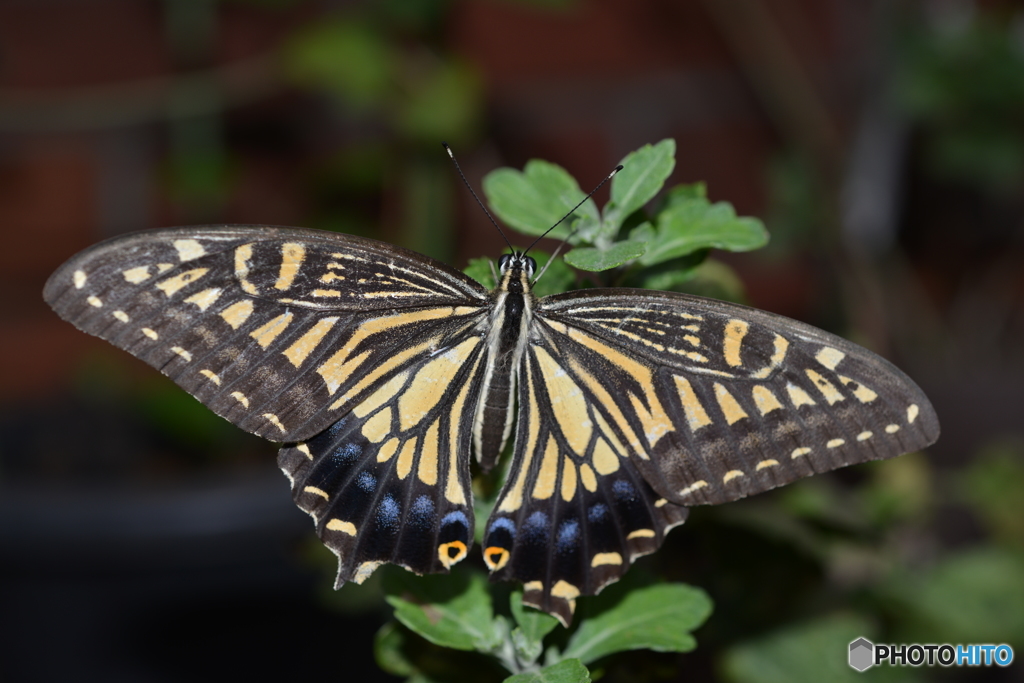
882 142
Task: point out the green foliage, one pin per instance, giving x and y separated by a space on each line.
965 85
657 618
623 243
807 653
457 612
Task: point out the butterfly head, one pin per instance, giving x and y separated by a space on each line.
516 262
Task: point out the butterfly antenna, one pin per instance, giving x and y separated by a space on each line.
571 211
470 188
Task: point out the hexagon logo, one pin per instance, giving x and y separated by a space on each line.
862 654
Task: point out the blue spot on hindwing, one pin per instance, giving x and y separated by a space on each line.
421 513
366 482
535 529
597 512
388 513
623 490
503 523
568 536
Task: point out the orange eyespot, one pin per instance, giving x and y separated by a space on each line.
496 557
450 553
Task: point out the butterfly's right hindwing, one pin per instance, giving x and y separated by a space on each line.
281 331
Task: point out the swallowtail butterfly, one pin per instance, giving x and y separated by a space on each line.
384 372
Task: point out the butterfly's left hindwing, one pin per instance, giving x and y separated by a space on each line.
390 482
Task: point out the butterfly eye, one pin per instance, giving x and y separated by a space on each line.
529 265
503 262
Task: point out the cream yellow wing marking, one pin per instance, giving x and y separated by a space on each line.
185 355
79 278
781 347
864 436
344 527
242 256
653 418
274 420
735 331
732 474
514 498
205 298
827 389
604 459
426 470
693 409
121 315
729 405
237 313
388 449
299 351
189 249
292 255
150 333
241 398
770 462
336 369
798 396
567 402
829 357
547 476
605 558
568 478
268 332
381 396
699 484
136 275
798 452
765 400
428 385
863 394
210 375
171 285
94 301
454 489
378 426
912 413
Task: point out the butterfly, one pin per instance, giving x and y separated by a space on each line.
384 373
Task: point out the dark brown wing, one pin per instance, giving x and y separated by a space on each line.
637 403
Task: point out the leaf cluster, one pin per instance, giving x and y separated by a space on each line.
634 240
457 612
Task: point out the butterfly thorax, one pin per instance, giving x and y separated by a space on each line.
506 341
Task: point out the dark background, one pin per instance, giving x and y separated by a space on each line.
142 538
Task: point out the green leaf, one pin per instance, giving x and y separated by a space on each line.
566 671
480 270
642 176
807 653
595 259
387 650
451 610
689 224
657 617
532 201
534 623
